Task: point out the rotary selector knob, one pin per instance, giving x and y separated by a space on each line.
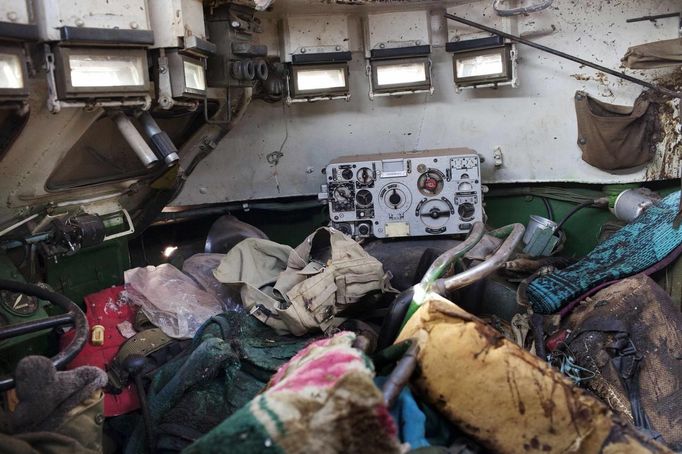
466 211
395 196
363 198
434 213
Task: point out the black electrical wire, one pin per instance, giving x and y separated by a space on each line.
572 212
550 212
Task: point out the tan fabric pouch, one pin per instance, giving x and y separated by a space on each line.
312 304
614 137
658 54
356 278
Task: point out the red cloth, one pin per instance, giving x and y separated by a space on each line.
108 309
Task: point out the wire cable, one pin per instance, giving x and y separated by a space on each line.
573 211
548 207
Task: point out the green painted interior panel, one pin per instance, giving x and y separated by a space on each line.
90 270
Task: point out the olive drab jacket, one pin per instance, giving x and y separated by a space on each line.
304 289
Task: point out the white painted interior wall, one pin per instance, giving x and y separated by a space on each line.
534 125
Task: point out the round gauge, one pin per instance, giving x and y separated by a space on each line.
347 174
18 303
431 182
364 198
342 198
466 211
365 176
395 196
435 213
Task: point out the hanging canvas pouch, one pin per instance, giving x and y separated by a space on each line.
614 137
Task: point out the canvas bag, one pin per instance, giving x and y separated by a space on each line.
614 137
319 279
654 55
637 310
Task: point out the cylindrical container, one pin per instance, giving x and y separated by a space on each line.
631 203
134 139
534 223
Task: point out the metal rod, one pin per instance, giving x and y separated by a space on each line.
652 18
447 258
401 374
558 53
514 233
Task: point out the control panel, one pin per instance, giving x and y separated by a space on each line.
434 192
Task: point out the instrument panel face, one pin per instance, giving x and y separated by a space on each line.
426 193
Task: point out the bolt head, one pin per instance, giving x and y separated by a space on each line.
12 16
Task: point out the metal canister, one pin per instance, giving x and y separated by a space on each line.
631 203
537 222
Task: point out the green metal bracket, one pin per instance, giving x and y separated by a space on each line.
90 270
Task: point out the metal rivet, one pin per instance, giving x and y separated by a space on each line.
303 51
12 16
80 22
134 25
382 45
338 47
582 141
203 190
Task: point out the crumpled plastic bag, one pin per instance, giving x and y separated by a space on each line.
170 299
200 268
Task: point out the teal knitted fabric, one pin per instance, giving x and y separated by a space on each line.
636 247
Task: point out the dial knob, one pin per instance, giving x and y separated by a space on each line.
347 174
365 176
466 211
394 198
364 197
